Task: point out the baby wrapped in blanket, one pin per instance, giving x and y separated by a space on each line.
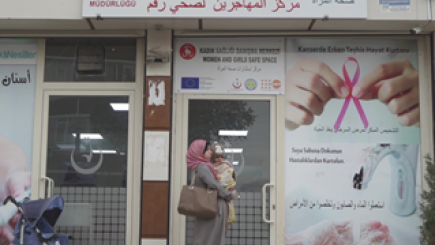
226 175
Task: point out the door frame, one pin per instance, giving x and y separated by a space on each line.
135 131
177 224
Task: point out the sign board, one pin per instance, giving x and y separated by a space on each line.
349 9
17 98
229 65
395 6
352 165
17 52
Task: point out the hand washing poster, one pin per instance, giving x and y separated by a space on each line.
17 98
352 173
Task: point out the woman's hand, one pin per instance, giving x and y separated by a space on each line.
310 84
5 236
324 233
374 232
14 180
341 233
396 85
17 183
234 194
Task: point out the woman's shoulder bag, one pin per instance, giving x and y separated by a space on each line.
197 202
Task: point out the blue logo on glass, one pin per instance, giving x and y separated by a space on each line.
250 84
190 82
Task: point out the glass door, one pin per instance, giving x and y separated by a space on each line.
86 159
246 127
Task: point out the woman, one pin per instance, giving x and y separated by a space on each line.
208 231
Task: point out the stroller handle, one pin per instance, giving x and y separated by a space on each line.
11 199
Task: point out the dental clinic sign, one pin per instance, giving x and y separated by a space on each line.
17 54
349 9
17 61
17 99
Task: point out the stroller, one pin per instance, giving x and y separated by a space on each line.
38 217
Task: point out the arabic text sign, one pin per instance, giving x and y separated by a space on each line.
229 65
336 205
350 9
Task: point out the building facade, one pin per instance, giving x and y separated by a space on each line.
311 99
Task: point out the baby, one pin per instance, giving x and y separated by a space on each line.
226 175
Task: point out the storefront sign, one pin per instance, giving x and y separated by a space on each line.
352 162
17 100
229 65
395 6
17 53
350 9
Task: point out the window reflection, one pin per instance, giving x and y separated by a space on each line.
208 117
87 141
90 59
87 159
248 151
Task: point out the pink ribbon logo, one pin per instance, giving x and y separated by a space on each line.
351 84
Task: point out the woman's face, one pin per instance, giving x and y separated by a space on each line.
207 153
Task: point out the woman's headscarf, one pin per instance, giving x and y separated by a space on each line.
195 156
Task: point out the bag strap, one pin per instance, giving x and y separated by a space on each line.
192 181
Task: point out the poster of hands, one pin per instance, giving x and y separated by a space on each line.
352 142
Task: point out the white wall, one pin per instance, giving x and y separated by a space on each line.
41 9
162 39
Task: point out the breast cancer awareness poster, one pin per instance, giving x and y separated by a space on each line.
352 142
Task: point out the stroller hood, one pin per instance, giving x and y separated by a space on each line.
49 208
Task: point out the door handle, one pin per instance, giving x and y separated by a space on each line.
50 188
264 201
